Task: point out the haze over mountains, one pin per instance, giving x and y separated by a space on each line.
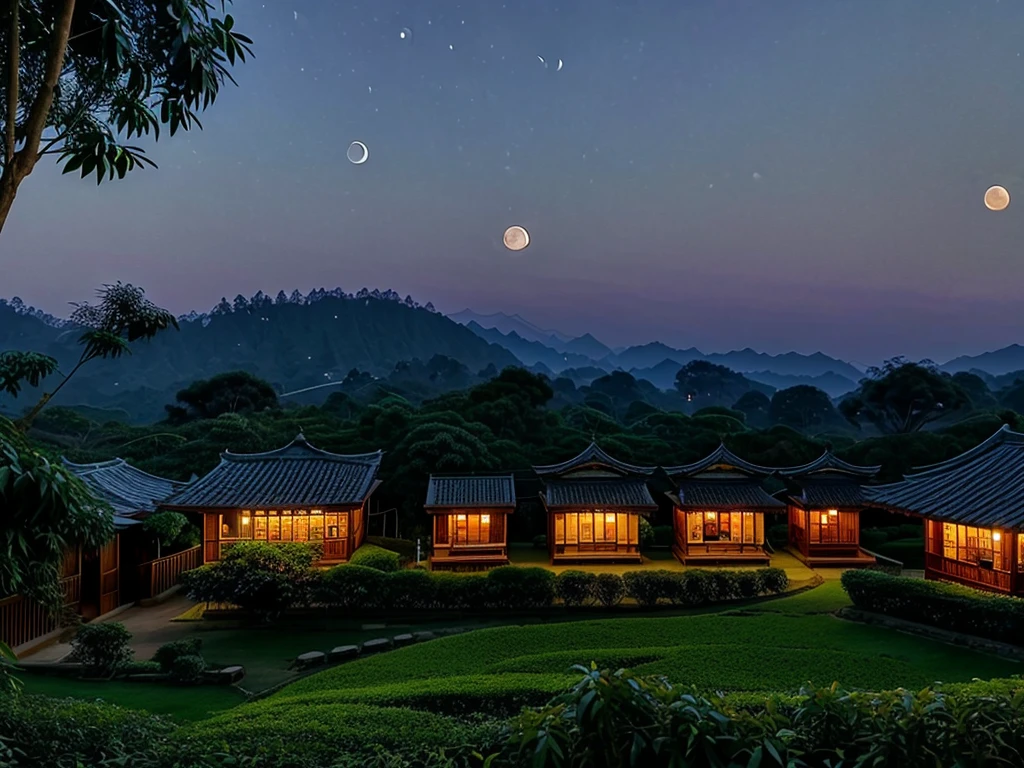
308 341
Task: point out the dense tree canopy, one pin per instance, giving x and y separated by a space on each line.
803 407
81 78
233 392
901 397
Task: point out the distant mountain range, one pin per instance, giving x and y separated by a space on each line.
297 342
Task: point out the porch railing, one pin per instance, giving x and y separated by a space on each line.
157 576
23 620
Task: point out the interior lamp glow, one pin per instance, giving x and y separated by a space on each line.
997 536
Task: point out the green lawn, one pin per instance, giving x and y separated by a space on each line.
183 703
410 695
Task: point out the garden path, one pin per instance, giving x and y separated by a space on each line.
151 627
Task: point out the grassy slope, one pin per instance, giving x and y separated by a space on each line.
777 645
183 703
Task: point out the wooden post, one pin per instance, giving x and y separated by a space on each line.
1013 545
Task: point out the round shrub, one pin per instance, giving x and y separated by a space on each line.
168 653
748 583
102 648
352 587
517 588
722 586
412 588
188 669
575 588
609 589
643 586
372 556
697 587
774 580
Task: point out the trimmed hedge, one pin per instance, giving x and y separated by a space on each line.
947 606
372 556
404 547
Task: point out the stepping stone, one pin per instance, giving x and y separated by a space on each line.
231 674
403 640
342 653
380 644
310 659
423 636
369 627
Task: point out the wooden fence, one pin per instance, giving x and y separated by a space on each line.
157 576
23 620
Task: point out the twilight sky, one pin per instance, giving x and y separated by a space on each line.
780 174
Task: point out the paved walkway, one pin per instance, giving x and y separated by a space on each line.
150 627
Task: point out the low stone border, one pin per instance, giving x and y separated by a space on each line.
981 644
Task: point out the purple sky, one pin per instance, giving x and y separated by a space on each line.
873 130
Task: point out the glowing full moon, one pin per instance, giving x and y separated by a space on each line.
997 198
357 153
516 238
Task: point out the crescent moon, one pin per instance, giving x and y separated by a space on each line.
559 67
358 145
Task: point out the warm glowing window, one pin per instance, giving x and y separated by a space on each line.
470 529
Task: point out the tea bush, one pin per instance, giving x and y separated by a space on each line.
188 669
697 587
372 556
613 720
102 648
948 606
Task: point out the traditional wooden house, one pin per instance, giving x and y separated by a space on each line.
469 519
824 499
973 507
719 510
594 504
294 493
111 575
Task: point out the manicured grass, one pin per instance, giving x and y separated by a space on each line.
191 703
777 645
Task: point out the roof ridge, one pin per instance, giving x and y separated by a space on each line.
721 454
1002 435
593 454
828 460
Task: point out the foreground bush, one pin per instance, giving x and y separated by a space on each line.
170 652
378 558
613 720
947 606
102 648
262 578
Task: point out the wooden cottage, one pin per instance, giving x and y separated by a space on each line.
594 503
110 576
824 499
294 493
973 507
469 519
719 510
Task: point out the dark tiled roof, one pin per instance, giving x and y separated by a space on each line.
983 486
472 491
726 494
830 495
593 457
720 457
599 493
128 490
829 464
297 475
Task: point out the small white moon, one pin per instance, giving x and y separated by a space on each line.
357 153
516 238
559 67
541 60
997 198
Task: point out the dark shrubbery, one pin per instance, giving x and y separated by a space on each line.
265 579
663 535
696 587
102 648
406 549
372 556
613 720
351 587
947 606
540 542
168 653
609 589
188 669
575 588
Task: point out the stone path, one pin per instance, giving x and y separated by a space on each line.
150 627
